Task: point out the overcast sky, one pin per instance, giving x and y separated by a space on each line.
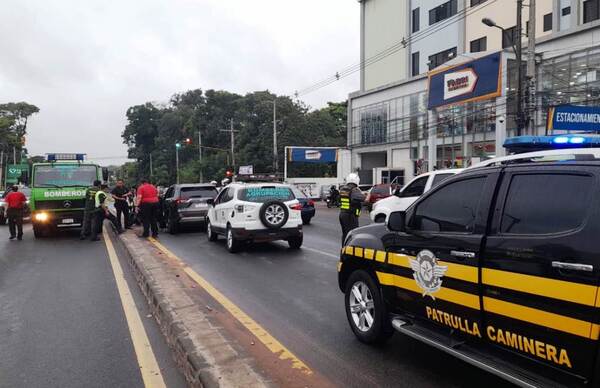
84 62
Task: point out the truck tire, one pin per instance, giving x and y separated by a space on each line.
366 310
38 231
274 214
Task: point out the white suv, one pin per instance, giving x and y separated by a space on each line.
410 193
255 212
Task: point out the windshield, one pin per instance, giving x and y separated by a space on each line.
266 193
198 192
64 175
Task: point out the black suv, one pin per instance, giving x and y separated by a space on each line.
498 266
185 204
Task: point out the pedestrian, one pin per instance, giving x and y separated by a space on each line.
16 202
351 200
121 194
101 213
147 199
88 212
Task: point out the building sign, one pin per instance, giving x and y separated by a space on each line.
16 173
474 80
574 118
312 155
246 170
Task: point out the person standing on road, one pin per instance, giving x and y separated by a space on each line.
147 199
16 201
88 213
351 200
121 193
101 212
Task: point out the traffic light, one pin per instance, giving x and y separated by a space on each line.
228 173
188 141
177 145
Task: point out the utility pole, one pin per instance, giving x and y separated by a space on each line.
232 133
531 78
177 146
518 52
275 158
2 168
14 155
200 155
151 170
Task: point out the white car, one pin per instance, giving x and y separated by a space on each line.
410 193
255 212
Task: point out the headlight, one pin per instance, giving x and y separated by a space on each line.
42 217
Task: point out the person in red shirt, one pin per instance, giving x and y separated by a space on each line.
147 199
15 201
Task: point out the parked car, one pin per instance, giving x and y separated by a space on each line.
405 196
3 206
186 204
488 268
377 193
255 212
365 189
308 206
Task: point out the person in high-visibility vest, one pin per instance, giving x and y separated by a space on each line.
101 212
351 200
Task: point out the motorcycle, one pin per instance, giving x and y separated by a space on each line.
333 202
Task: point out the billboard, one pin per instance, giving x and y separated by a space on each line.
312 155
15 173
574 118
478 79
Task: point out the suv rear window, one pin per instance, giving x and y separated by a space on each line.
198 192
266 193
546 203
385 190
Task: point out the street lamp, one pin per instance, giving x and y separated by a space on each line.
177 147
516 46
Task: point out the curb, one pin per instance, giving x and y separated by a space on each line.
200 350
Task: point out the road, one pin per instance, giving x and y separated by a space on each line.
295 296
62 321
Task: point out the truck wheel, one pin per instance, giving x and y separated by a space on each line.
233 244
38 231
210 233
295 242
366 310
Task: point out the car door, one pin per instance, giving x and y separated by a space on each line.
541 265
437 260
168 201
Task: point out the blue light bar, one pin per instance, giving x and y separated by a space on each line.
56 157
561 140
577 140
520 144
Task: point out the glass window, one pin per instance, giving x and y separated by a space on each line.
438 178
224 196
415 64
169 192
452 208
64 175
198 192
591 10
442 12
479 45
548 22
415 189
261 194
442 57
530 210
416 23
477 2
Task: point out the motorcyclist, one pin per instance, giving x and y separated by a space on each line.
334 195
351 200
225 182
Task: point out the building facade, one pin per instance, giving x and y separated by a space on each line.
391 130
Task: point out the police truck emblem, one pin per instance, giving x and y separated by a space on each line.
427 272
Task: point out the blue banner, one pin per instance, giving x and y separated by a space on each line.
312 155
574 118
474 80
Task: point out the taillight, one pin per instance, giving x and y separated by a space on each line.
311 203
180 200
297 206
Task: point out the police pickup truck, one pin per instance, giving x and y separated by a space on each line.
498 266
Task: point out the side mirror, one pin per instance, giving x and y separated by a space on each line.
397 221
105 174
397 191
210 201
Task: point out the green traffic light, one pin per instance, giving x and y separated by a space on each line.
177 145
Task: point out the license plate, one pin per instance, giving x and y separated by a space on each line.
68 221
199 205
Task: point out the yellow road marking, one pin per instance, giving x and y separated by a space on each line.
253 327
143 350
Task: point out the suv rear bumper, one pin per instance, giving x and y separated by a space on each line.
266 234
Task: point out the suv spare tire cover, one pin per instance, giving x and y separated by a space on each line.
271 214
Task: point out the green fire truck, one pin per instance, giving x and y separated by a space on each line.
58 191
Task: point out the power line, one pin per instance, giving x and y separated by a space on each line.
392 49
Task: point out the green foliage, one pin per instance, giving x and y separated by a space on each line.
153 130
13 124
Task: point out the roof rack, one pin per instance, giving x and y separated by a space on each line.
562 155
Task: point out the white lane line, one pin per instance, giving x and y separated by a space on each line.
321 252
149 368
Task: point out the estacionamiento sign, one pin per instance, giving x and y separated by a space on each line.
574 118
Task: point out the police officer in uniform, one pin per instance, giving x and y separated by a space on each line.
101 212
351 199
88 213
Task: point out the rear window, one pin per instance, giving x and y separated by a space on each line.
266 193
439 178
382 190
198 192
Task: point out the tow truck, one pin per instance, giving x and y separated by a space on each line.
58 188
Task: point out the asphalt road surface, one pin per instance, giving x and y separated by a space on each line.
295 296
62 322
